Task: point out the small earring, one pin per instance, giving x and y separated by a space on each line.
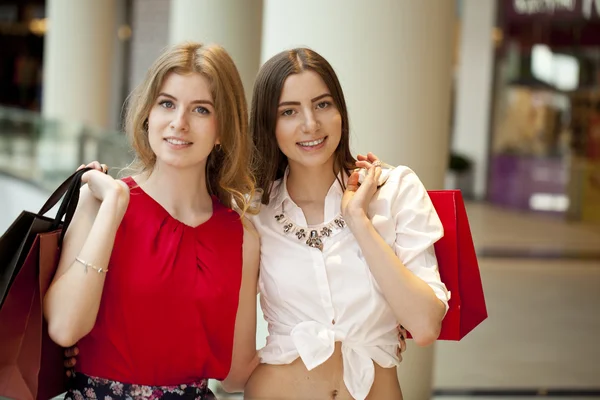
218 147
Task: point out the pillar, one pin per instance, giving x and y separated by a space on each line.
474 89
78 59
233 24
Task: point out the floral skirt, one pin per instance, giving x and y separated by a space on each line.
83 387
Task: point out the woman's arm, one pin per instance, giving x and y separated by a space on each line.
73 298
245 356
413 301
407 274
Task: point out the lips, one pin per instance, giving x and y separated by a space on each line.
177 142
312 143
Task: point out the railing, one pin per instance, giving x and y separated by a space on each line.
44 152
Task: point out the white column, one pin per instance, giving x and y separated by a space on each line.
118 72
394 61
79 49
150 23
236 25
474 88
78 57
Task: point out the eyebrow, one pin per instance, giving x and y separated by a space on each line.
297 103
193 102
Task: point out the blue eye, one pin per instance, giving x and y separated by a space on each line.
167 104
201 110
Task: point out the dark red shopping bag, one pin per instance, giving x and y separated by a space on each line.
31 365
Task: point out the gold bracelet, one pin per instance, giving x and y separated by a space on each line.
88 265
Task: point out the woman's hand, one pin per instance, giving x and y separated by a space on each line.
357 197
71 359
104 186
95 165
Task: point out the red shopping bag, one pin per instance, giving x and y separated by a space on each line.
458 266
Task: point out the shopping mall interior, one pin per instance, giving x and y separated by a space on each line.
497 98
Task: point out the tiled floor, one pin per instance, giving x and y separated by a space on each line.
511 398
544 313
541 331
496 229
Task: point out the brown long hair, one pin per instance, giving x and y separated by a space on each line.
270 163
228 169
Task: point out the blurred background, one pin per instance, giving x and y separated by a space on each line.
497 98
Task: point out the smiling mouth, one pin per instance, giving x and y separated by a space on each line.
312 143
177 142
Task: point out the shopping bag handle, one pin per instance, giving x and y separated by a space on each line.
69 191
62 189
72 197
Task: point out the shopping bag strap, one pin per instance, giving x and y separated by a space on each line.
62 189
69 210
69 192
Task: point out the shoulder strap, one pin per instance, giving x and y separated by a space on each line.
130 182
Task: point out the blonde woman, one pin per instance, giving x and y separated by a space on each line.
157 279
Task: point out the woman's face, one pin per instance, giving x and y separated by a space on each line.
182 125
309 125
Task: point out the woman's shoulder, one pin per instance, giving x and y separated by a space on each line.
398 180
400 173
223 213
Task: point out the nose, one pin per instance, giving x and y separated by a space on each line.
311 125
180 121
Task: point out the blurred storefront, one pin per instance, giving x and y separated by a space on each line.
22 28
545 133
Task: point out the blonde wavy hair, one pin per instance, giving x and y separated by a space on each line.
228 169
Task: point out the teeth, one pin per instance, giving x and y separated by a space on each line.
313 143
177 142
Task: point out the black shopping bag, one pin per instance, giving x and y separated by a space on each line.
16 242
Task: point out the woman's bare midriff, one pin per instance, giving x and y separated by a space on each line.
325 382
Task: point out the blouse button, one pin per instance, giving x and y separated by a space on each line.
333 322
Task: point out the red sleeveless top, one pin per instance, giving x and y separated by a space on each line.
170 298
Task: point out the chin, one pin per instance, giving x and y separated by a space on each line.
178 163
316 160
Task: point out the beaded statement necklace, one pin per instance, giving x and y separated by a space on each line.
316 234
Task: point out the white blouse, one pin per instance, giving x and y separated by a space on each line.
312 298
